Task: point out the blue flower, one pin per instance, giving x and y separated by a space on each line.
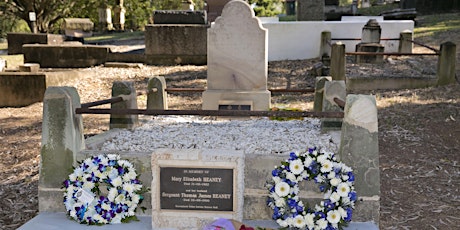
292 203
276 172
329 227
276 213
121 170
96 160
353 196
292 156
321 215
102 168
112 162
351 176
66 183
322 188
349 214
80 211
329 204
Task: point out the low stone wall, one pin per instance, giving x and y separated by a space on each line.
375 83
22 89
16 40
65 56
176 44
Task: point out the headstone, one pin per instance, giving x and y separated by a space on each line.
2 64
310 10
370 42
62 139
105 18
359 149
237 60
119 17
190 188
157 97
447 63
127 91
78 27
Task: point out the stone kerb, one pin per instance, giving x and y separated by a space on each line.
237 59
17 40
157 97
62 139
359 149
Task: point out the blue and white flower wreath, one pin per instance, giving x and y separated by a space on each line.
82 197
335 180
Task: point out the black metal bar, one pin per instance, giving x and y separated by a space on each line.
232 113
359 39
389 54
426 46
102 102
339 102
198 90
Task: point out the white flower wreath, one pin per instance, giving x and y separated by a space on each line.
335 180
82 197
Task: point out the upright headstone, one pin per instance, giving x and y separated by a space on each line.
62 139
127 91
447 63
105 18
157 97
237 61
310 10
338 61
405 42
332 90
319 93
2 64
370 42
359 149
119 16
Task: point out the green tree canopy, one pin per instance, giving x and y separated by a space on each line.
266 8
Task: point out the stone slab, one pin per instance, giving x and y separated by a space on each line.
259 100
179 17
58 221
17 40
192 217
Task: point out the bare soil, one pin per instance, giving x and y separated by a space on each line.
419 136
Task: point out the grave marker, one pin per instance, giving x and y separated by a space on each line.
237 60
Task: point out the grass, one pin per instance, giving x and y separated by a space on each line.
13 61
116 36
432 25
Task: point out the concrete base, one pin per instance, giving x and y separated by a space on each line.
51 221
259 100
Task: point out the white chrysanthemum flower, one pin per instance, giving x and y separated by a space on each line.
308 161
331 175
280 202
343 212
282 189
333 216
116 219
73 177
136 198
119 198
296 166
345 177
88 185
327 194
117 182
291 176
322 223
320 179
346 201
319 208
299 221
73 213
343 189
295 190
106 206
305 174
276 179
282 223
335 197
131 175
321 158
129 188
335 181
113 157
326 166
309 220
112 194
78 172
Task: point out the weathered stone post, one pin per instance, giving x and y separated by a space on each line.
446 63
157 96
338 61
359 149
405 42
332 89
127 91
62 139
319 92
325 48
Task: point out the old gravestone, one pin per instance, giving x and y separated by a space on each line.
237 61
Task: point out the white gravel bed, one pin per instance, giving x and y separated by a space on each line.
253 136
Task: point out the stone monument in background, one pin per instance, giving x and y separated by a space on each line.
214 8
237 61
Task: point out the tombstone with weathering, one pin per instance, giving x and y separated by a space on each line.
237 61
